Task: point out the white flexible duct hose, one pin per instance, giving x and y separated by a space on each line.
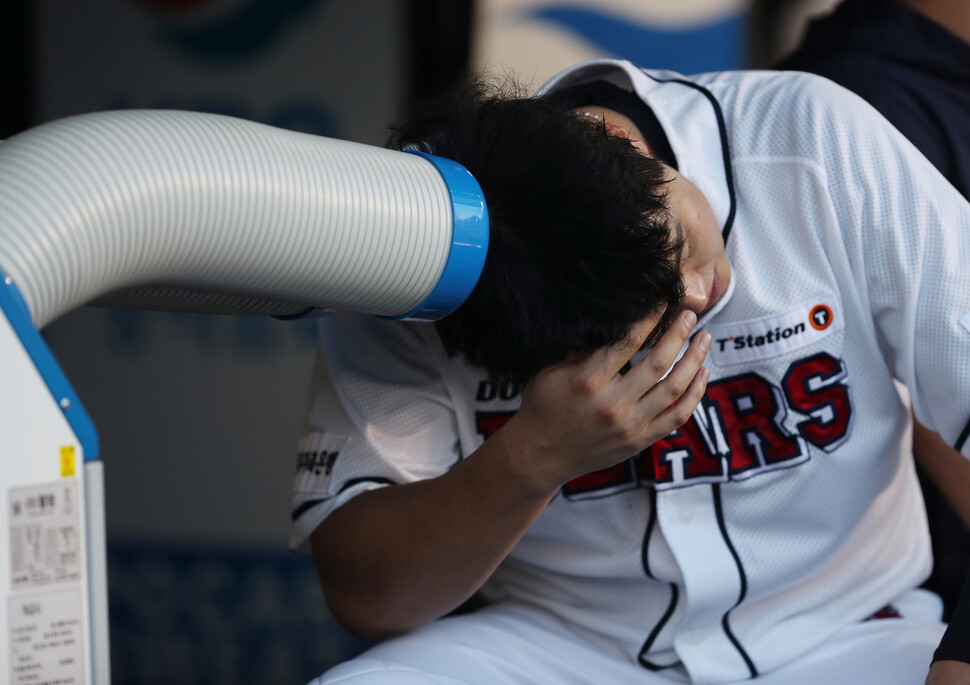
97 203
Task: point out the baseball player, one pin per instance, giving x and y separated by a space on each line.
753 513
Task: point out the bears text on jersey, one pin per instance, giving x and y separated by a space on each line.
738 431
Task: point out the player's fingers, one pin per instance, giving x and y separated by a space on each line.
678 382
676 415
649 370
620 354
606 363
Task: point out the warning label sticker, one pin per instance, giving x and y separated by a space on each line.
45 545
46 640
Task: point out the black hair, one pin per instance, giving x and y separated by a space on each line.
580 242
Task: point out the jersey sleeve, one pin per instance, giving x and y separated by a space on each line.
906 232
378 413
864 74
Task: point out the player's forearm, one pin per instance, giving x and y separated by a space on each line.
949 673
396 558
948 469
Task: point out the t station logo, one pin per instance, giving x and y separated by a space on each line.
746 341
820 317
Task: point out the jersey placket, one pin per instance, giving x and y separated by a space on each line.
692 524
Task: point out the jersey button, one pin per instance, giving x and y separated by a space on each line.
685 514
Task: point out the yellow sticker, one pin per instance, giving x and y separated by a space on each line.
67 461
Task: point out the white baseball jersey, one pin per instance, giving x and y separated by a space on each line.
787 507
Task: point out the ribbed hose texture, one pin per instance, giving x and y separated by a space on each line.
197 301
98 203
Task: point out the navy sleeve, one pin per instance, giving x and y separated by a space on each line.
955 645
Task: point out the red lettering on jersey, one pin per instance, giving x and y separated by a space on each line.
596 484
751 413
814 387
682 455
738 428
487 423
601 483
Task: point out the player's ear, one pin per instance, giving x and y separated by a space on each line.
630 132
616 124
616 129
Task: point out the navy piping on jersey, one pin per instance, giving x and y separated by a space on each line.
725 232
716 490
674 591
371 479
725 622
306 506
309 504
725 150
962 440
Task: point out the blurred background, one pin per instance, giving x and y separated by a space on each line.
198 416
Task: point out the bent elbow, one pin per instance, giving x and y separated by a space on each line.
363 619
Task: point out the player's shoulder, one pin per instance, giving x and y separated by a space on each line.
785 90
353 339
787 112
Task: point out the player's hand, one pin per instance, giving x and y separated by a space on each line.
582 415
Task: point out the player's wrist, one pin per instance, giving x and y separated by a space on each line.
525 462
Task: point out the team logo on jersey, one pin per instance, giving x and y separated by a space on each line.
746 425
770 336
315 460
